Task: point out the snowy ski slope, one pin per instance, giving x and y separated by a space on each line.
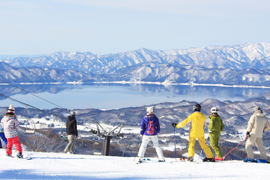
67 166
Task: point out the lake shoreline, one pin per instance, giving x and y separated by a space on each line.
140 82
120 94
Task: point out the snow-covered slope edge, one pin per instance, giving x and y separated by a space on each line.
67 166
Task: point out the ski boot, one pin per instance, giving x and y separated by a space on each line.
161 160
190 159
262 161
219 158
19 155
208 159
249 160
140 160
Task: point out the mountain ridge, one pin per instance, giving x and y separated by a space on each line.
234 57
243 64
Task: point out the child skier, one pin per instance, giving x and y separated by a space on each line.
197 132
257 125
10 124
149 129
215 127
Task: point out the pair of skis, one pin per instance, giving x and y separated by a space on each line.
147 160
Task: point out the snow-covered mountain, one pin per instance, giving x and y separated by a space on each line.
238 57
151 72
38 74
169 73
244 64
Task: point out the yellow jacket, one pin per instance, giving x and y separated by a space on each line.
198 120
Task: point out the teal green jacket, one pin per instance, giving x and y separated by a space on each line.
215 125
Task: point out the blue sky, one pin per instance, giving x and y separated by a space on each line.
111 26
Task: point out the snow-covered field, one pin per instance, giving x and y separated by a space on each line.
68 166
40 123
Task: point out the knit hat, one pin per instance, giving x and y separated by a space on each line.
73 113
150 109
11 108
197 107
257 108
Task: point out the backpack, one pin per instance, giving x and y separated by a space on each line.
151 128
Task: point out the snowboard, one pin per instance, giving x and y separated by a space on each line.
25 158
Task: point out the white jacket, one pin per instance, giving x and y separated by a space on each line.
258 124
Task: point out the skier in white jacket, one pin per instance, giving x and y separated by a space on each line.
257 125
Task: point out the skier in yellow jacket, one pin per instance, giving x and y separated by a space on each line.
197 132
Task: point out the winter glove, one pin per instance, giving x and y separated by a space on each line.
174 124
247 135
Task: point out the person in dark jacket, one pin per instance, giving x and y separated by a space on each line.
149 129
215 127
72 132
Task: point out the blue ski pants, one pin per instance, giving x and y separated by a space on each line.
3 137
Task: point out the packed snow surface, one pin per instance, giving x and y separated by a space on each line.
70 166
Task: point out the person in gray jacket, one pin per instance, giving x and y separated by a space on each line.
10 125
257 125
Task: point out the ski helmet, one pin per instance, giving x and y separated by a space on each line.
197 107
214 110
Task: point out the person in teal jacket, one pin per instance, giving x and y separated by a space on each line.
215 127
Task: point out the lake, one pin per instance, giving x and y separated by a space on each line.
114 96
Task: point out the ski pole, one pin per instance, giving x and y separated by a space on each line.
174 145
235 147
